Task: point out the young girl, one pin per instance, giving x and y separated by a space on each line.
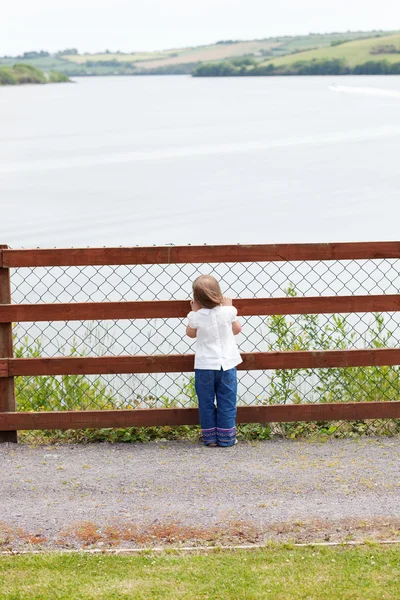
213 321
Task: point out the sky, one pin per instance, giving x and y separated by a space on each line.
135 25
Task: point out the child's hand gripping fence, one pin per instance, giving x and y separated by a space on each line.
100 341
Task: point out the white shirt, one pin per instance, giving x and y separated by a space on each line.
215 343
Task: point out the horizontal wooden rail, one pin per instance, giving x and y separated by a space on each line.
155 309
190 416
88 311
198 254
176 363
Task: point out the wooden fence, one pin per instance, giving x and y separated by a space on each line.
11 421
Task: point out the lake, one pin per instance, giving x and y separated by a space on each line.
155 160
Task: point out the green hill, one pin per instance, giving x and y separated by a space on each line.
223 50
186 60
372 56
353 53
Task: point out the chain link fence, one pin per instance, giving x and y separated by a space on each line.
167 336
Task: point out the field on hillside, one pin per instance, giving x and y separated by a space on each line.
260 49
80 59
215 52
279 50
182 55
46 64
354 53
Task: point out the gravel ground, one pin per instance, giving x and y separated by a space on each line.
296 489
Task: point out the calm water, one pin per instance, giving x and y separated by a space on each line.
154 160
109 161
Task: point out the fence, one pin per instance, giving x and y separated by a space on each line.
100 342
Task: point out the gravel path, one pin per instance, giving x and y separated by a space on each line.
272 486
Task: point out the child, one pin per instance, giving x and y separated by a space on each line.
213 321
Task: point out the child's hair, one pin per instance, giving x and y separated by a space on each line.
206 291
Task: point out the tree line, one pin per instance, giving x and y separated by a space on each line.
249 67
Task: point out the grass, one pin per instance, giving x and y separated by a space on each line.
353 52
366 573
128 57
45 63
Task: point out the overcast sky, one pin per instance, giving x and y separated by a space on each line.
132 25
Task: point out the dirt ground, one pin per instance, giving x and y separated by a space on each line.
180 493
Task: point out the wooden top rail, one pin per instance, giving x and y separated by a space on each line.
184 363
198 254
155 309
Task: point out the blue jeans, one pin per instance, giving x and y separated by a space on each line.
218 422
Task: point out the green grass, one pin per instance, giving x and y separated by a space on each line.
323 40
129 57
354 52
363 573
44 63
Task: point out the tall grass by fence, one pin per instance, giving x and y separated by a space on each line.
100 330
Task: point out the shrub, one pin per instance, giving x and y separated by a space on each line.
57 77
375 67
27 74
385 49
7 76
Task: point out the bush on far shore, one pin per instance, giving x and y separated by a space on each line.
57 77
21 73
7 76
27 74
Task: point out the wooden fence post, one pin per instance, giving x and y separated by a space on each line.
7 391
